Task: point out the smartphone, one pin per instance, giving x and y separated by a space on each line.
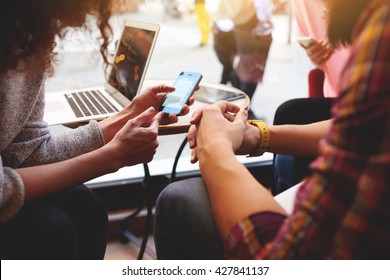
185 85
306 41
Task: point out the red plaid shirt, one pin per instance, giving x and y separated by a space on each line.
343 210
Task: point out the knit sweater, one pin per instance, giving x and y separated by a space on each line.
25 138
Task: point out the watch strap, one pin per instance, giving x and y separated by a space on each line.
264 138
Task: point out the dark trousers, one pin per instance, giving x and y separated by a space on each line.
70 225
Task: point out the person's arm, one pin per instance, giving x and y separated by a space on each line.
135 143
234 193
295 140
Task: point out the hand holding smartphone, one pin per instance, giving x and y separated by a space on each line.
185 85
306 42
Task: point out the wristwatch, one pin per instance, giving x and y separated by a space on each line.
265 137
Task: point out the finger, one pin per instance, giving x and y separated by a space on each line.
185 110
313 47
161 88
161 91
328 54
191 101
172 118
241 116
157 120
197 115
161 96
144 117
191 136
228 107
194 157
228 116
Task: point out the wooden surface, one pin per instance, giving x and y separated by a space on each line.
183 124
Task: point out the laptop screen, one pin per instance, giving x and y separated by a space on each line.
131 59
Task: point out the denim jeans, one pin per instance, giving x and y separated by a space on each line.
184 223
284 171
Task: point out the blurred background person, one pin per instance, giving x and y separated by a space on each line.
242 39
323 81
311 21
204 21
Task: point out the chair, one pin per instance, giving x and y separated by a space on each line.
316 83
298 111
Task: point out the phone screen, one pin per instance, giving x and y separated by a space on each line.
185 86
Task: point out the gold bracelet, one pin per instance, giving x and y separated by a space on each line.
265 137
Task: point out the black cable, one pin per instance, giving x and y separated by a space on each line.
178 154
146 183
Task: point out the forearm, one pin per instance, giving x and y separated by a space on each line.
297 140
234 193
51 178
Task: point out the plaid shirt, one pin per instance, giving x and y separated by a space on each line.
343 209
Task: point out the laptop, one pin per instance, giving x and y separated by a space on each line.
123 81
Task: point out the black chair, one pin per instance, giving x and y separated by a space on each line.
301 111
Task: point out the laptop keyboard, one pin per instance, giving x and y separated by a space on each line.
89 103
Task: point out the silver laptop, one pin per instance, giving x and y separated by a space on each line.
123 82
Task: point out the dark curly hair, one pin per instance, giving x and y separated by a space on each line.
29 27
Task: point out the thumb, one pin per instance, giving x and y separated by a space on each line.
157 120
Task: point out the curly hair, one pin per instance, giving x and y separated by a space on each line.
29 27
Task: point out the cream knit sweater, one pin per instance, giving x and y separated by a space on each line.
25 139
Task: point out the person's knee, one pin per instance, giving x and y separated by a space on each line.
181 193
42 232
86 203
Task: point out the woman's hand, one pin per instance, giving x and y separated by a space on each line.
155 96
251 136
319 53
136 142
152 97
220 124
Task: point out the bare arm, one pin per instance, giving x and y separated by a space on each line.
233 191
131 137
296 140
135 143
